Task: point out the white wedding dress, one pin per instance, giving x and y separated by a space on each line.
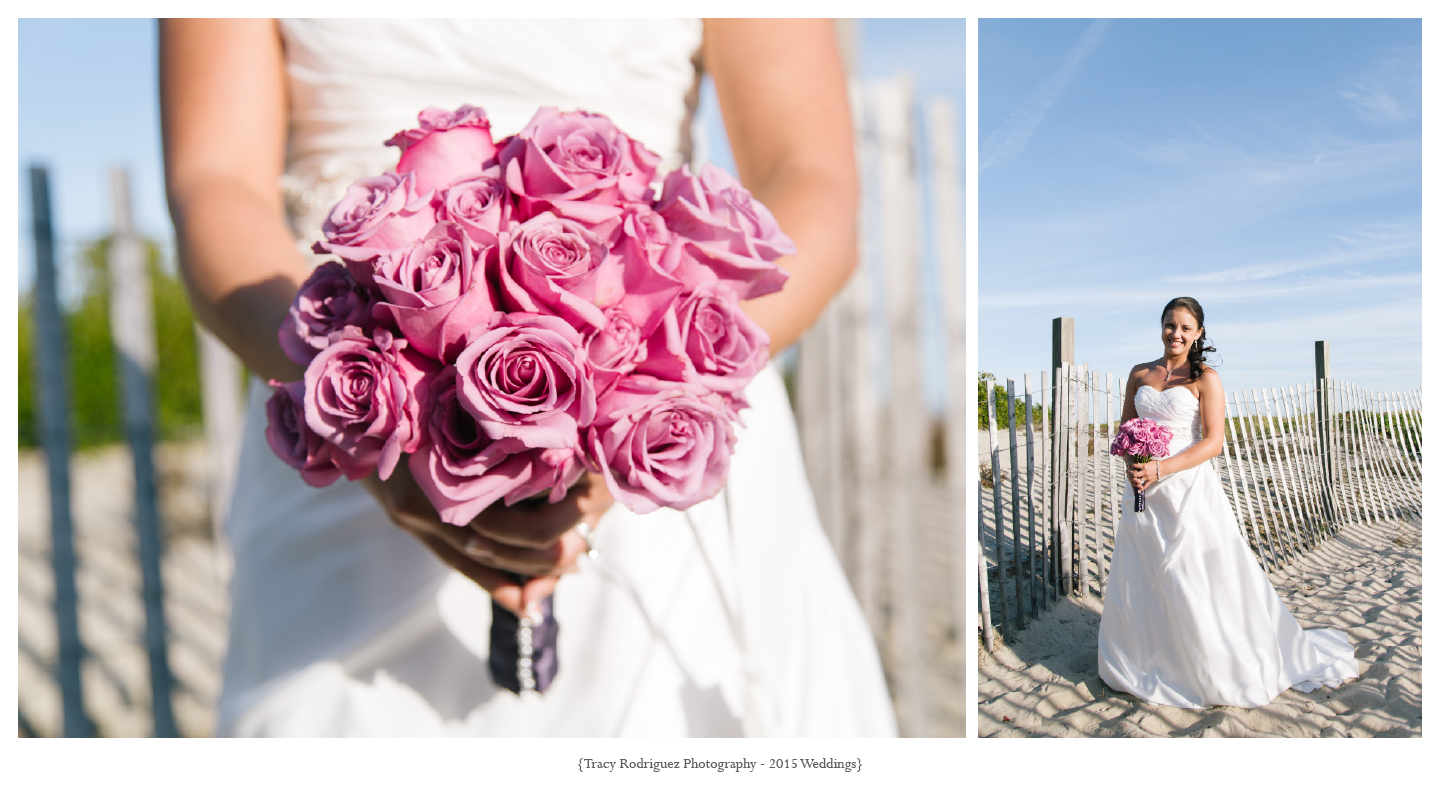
707 624
1189 619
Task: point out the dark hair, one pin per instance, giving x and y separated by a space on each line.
1201 345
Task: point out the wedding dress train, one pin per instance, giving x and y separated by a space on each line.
1190 619
732 618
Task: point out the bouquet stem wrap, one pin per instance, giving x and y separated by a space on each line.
511 665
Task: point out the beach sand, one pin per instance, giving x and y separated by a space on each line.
1365 581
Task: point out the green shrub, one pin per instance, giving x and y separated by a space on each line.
96 411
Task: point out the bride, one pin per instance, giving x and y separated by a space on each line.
1189 618
731 618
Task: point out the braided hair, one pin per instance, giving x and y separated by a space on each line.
1201 346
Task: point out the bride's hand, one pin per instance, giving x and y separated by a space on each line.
1142 474
534 540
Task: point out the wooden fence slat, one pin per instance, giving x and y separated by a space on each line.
1286 495
1015 505
1036 594
1285 406
1050 586
1271 529
1238 490
995 490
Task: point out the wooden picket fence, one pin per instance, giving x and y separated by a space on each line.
1298 465
892 509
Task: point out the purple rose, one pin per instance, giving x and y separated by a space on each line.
525 376
709 341
661 444
480 204
461 469
291 439
376 215
364 396
732 235
1157 448
445 146
576 165
329 300
555 266
435 291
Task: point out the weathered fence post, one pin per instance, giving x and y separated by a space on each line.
132 326
948 222
52 358
998 501
1322 424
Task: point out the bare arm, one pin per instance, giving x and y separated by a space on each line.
781 86
223 117
224 114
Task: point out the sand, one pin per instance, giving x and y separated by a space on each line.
1366 581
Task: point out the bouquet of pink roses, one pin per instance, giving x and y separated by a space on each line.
1141 440
504 315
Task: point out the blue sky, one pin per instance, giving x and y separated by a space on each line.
1268 168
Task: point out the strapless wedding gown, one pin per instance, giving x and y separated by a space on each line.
700 623
1190 620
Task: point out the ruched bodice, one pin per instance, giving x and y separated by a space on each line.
1177 409
355 82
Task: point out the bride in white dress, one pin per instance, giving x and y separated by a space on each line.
1189 619
732 618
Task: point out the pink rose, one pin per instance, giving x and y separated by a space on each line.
329 300
480 204
661 444
376 215
556 266
525 376
709 341
460 468
647 252
445 146
615 349
1157 448
364 397
552 470
732 234
577 165
435 291
291 439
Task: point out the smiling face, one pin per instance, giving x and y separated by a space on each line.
1178 330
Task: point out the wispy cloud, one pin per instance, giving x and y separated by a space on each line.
1388 91
1362 248
1009 139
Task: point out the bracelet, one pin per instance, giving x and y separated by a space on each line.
1157 471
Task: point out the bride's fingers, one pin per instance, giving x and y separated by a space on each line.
559 557
537 589
529 524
